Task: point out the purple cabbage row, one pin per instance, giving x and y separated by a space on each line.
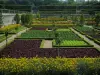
30 48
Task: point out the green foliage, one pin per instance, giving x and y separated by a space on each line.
68 35
97 19
28 19
68 38
84 29
63 35
70 43
82 19
63 30
23 19
1 22
50 66
38 15
37 34
2 37
70 1
17 18
9 28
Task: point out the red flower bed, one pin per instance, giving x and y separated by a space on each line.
30 48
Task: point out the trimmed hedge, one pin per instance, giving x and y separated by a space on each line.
50 25
50 66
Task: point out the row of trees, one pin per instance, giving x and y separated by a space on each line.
24 19
80 20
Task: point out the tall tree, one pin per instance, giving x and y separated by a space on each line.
97 19
6 35
28 19
57 42
82 19
23 19
17 18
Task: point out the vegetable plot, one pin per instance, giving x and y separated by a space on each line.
31 48
72 43
68 38
37 34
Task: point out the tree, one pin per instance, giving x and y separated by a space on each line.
1 22
17 18
92 14
28 19
6 35
23 19
70 1
75 20
38 15
82 19
53 26
57 42
97 19
61 15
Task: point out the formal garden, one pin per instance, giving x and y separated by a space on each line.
55 40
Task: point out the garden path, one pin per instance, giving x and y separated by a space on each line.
47 44
86 39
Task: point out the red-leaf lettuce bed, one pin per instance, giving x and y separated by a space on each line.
31 48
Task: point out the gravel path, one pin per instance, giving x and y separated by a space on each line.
88 40
47 44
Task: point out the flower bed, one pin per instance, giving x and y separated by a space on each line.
9 28
51 66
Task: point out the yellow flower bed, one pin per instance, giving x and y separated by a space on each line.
50 66
9 27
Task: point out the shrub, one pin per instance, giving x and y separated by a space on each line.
23 19
50 66
28 19
17 18
9 27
